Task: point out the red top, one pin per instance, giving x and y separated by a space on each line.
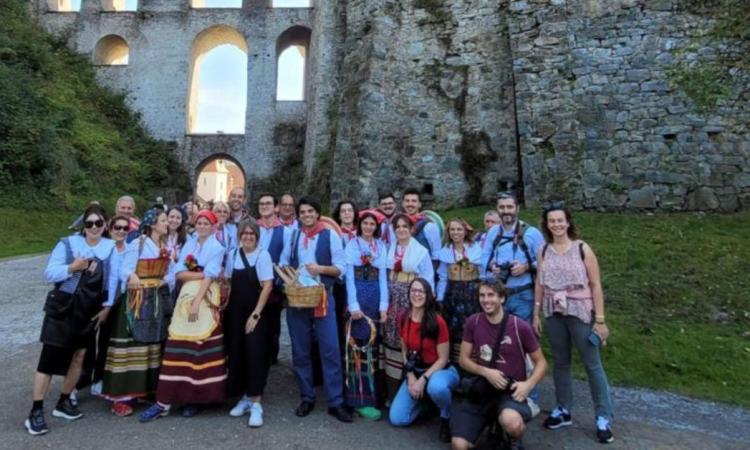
409 332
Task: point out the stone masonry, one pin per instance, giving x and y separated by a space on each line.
563 99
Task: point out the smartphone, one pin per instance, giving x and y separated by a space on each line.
594 339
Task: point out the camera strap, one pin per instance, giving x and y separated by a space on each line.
408 334
499 340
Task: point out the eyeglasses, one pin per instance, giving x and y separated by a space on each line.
93 223
120 228
248 233
554 206
416 291
266 203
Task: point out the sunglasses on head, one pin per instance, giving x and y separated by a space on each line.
93 223
554 206
120 228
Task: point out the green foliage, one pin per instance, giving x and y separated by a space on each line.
62 137
708 78
666 278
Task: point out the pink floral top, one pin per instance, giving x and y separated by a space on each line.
566 283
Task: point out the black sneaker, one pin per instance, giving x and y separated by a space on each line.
559 417
445 431
516 444
603 432
36 424
66 410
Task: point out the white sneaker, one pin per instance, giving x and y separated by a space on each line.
241 408
533 407
256 416
96 388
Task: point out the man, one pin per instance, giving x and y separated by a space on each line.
274 237
510 256
425 232
287 214
237 209
387 205
491 218
125 206
494 347
319 254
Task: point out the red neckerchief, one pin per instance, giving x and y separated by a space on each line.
351 233
399 256
415 217
287 222
274 223
311 232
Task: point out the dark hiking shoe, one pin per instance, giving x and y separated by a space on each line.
603 432
66 410
559 417
36 424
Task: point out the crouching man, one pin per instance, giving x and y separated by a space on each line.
493 353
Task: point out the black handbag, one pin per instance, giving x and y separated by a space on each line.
476 387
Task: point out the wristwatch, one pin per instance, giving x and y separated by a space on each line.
256 316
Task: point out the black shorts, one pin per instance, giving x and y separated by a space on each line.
468 418
55 360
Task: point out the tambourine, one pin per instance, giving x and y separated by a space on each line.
437 220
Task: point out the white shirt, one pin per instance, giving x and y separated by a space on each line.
57 264
416 260
259 258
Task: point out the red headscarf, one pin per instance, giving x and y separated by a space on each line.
209 215
379 216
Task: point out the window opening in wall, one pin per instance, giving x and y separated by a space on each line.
64 5
217 96
197 4
216 179
111 50
291 4
119 5
291 70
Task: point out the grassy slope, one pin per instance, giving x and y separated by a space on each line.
665 277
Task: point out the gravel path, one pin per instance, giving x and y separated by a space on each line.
645 419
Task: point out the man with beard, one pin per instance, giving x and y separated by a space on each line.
237 209
425 232
287 214
387 205
510 256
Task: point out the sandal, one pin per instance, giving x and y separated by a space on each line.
121 409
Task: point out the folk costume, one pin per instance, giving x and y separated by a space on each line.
426 233
141 317
193 367
321 246
404 265
367 292
248 358
458 289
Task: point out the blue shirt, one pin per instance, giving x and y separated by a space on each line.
508 252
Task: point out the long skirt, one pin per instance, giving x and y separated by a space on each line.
131 368
394 361
362 364
461 301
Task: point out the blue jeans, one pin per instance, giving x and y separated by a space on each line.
301 329
405 410
562 332
521 305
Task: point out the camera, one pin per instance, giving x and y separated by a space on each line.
505 271
413 360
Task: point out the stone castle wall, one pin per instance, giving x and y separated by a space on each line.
567 99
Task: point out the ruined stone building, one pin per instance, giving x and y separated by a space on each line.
563 99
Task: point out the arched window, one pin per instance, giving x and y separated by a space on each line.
64 5
291 3
111 50
197 4
291 58
217 95
119 5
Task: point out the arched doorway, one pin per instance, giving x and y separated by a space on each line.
216 177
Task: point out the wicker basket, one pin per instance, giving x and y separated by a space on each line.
304 297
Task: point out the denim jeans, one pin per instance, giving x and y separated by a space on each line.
562 332
521 305
405 410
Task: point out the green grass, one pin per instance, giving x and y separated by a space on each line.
665 276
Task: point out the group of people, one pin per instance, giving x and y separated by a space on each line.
183 308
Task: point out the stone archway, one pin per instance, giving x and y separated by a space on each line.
216 176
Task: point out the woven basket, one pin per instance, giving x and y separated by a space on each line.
304 297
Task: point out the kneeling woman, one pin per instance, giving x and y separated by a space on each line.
193 367
425 347
248 331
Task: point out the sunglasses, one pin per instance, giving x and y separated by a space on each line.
506 195
93 223
120 228
554 206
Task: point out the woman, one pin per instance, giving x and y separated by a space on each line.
226 233
193 367
247 331
345 214
367 300
176 236
139 328
568 290
458 285
491 218
74 309
407 259
424 349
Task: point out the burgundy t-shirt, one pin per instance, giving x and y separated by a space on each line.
511 360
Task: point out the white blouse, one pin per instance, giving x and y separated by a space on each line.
416 260
259 258
447 256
